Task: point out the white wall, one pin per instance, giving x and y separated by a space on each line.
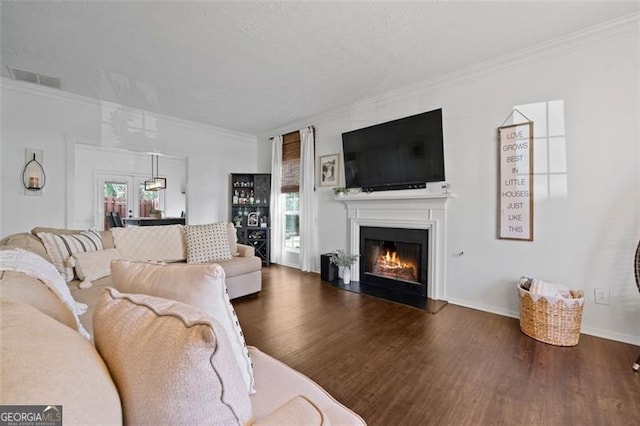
51 120
585 236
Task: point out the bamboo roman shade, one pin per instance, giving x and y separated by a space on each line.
291 162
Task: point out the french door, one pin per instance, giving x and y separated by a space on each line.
124 194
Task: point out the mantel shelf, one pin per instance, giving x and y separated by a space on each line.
405 194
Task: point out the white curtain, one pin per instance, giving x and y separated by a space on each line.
277 218
308 226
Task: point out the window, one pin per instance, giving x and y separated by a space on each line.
291 191
292 221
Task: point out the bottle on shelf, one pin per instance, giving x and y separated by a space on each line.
251 198
235 197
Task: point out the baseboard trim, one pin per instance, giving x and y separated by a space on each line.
604 334
484 308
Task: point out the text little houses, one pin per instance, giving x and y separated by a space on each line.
515 182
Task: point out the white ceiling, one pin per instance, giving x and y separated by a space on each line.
256 66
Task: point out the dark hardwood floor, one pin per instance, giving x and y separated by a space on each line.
395 364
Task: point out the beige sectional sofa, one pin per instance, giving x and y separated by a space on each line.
155 243
45 361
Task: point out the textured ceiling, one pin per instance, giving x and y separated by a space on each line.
255 66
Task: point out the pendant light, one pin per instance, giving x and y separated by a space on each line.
156 183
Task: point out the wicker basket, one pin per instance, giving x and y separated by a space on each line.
551 321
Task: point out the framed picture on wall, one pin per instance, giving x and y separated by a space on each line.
329 170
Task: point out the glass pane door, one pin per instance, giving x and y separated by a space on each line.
126 196
115 198
148 203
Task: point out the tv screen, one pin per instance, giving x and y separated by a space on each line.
404 153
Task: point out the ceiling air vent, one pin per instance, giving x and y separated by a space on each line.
32 77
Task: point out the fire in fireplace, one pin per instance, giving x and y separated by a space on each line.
394 263
389 263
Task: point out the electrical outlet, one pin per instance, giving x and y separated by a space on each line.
601 296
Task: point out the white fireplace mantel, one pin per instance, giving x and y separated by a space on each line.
405 194
411 209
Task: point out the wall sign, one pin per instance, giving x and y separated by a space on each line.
516 182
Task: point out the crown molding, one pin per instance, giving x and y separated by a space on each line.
615 28
61 95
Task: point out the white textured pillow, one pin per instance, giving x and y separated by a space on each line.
61 247
207 243
201 286
93 265
171 363
161 243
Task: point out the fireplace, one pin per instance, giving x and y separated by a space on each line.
415 210
393 263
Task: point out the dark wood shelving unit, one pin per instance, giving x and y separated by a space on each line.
250 195
259 238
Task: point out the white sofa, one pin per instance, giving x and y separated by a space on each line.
44 360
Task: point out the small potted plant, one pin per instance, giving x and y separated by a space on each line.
340 191
344 260
155 213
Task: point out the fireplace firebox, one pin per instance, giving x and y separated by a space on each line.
393 264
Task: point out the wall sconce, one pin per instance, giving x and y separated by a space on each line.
156 183
33 176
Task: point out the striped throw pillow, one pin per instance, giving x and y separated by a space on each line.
61 247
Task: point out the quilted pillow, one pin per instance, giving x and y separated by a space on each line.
171 363
61 247
160 243
201 286
207 243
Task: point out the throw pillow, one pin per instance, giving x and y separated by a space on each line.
232 234
207 243
162 243
63 231
61 247
93 265
202 286
44 360
171 363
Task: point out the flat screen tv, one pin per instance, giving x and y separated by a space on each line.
399 154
